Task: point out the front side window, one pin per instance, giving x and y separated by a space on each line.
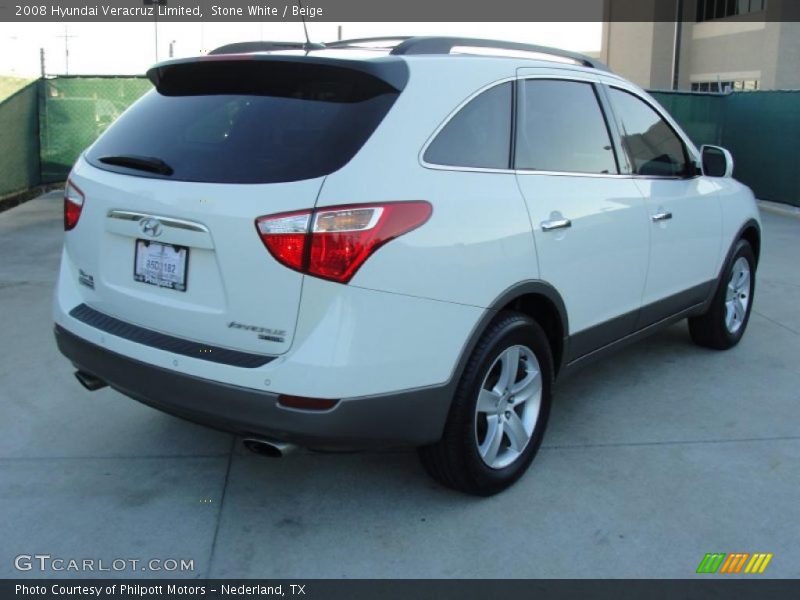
561 128
652 146
479 135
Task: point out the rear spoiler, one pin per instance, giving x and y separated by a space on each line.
392 71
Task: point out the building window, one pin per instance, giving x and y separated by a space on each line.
722 87
708 10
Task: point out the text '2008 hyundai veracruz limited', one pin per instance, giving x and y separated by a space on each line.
398 242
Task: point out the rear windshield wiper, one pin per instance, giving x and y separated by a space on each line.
142 163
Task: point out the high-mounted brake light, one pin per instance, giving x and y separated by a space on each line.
73 205
333 242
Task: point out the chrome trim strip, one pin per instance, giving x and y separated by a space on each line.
126 215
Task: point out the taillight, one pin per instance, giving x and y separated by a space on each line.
73 205
333 242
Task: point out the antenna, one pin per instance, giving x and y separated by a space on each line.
309 45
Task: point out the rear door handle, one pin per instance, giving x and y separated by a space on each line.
662 216
556 224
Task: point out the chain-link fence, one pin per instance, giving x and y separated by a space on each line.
19 152
761 129
48 123
73 111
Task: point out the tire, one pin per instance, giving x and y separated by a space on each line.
483 449
724 324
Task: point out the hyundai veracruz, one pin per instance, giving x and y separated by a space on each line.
398 242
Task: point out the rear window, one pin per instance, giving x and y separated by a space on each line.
248 122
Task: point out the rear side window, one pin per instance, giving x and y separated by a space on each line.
479 135
653 148
561 128
249 122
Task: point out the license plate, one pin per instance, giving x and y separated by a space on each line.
160 264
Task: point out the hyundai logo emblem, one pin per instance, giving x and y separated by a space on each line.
151 227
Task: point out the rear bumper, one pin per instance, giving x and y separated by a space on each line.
410 418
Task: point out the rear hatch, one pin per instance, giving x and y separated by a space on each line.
166 237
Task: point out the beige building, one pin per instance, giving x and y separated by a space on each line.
721 44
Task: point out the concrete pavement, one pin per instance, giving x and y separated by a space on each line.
654 457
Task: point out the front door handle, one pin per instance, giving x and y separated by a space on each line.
662 216
556 224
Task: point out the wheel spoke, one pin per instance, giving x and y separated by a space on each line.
730 311
487 401
491 445
738 308
516 433
509 364
528 388
743 282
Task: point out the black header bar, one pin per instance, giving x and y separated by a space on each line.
376 10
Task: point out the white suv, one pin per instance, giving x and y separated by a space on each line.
391 242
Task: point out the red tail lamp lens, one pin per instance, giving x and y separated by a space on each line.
333 243
73 205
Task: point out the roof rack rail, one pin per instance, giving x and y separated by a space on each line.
400 45
444 45
264 46
369 40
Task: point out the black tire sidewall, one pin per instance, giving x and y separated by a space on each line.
743 249
520 330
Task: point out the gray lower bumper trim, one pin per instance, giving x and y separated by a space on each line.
154 339
404 419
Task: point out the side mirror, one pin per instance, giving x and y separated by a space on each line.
717 162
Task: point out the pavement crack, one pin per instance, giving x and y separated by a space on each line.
778 323
147 457
21 283
221 506
789 438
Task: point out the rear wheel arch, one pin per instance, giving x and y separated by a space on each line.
535 298
547 310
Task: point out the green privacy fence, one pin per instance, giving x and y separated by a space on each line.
48 123
19 132
73 111
761 129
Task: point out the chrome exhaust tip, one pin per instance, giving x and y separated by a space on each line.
89 381
268 448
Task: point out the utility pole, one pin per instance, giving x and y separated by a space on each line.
172 48
66 37
155 4
41 61
339 33
676 48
